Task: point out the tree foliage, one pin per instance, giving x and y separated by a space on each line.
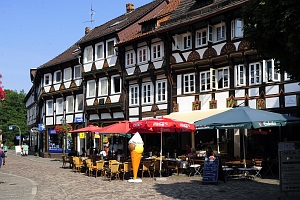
13 112
273 28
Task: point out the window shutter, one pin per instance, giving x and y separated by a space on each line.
177 41
232 29
214 78
210 33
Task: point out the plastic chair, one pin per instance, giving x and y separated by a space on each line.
196 168
257 168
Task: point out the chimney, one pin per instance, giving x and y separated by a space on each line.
129 7
87 30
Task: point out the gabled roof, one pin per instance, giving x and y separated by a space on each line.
114 25
187 13
121 22
162 16
68 55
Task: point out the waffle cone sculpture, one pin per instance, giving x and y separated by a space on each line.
136 149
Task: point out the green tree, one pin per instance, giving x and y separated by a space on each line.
273 28
13 112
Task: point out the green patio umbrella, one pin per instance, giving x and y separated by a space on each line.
245 118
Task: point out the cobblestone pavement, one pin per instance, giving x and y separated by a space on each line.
33 177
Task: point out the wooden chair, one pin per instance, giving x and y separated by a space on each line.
126 168
146 167
170 166
65 160
99 168
183 158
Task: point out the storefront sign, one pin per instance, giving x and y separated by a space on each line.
82 135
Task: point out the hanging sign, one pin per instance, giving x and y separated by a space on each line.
82 135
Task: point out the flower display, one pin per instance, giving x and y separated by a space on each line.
63 128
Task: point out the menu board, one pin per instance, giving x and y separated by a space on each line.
210 170
289 161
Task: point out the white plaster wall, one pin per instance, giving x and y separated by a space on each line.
47 88
105 116
146 108
133 111
185 103
272 102
179 82
274 89
186 55
87 67
90 102
67 84
221 99
158 64
112 61
177 57
94 117
252 103
114 98
78 82
236 44
201 52
292 87
133 119
118 115
218 47
290 101
240 93
144 67
162 106
69 118
99 64
205 101
253 92
49 121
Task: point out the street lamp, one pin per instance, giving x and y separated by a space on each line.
11 128
63 121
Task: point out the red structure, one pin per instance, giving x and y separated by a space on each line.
2 92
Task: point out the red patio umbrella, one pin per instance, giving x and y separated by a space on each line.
161 125
90 128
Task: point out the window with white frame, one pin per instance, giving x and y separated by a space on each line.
70 104
77 72
240 75
91 88
177 44
223 78
47 79
57 77
161 91
49 107
142 55
201 37
110 50
133 95
103 86
237 28
156 51
147 93
205 81
88 54
59 106
67 74
217 32
130 58
99 51
287 76
116 84
186 40
255 73
189 83
271 74
79 103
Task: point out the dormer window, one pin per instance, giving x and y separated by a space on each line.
202 3
149 25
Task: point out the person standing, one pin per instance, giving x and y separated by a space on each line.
25 149
2 157
5 147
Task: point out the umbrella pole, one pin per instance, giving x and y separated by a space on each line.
160 161
244 147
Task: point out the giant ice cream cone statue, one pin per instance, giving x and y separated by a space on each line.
136 148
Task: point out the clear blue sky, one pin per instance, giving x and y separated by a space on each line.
32 32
